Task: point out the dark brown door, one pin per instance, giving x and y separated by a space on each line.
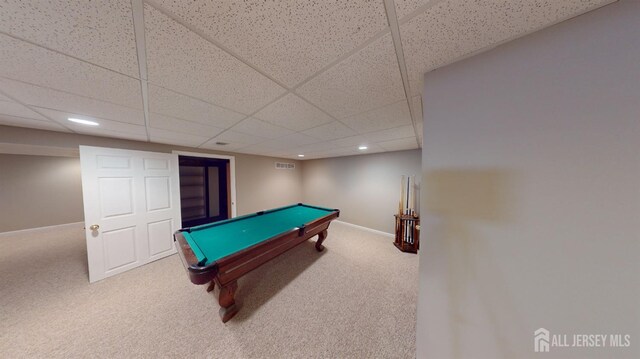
204 190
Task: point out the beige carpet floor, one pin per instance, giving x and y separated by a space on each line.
357 299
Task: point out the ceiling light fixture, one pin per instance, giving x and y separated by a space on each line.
362 148
300 155
83 122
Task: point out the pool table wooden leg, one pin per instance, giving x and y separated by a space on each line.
227 302
321 236
211 286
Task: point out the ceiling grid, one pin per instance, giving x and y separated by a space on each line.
276 78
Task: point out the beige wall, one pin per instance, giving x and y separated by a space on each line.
52 192
38 191
531 206
365 188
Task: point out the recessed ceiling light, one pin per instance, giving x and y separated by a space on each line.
300 155
84 122
362 148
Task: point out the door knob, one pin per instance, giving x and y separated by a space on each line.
94 227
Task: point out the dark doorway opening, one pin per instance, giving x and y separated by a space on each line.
204 190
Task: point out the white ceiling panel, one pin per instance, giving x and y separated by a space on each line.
179 59
111 134
314 147
391 134
98 31
330 131
29 63
63 101
31 123
399 145
263 129
367 79
217 70
170 103
265 151
405 7
17 110
61 117
353 141
238 138
289 40
181 126
212 145
290 142
293 113
175 138
393 115
453 29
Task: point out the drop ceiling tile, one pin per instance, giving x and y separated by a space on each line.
17 110
100 32
391 134
61 117
237 138
253 126
292 141
405 7
335 152
399 145
330 131
31 123
393 115
173 104
177 125
293 113
353 141
314 147
452 29
63 101
211 145
181 60
175 138
261 150
289 40
368 79
111 134
32 64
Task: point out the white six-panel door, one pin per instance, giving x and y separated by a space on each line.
131 208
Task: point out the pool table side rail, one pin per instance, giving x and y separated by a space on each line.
251 215
234 266
197 273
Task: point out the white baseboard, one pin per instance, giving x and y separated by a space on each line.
367 229
41 229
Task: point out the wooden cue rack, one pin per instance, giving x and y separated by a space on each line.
407 233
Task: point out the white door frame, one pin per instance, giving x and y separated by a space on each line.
232 168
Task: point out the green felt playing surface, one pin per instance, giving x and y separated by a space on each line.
220 239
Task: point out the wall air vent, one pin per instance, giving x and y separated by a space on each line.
285 166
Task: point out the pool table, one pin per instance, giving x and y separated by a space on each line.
221 252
